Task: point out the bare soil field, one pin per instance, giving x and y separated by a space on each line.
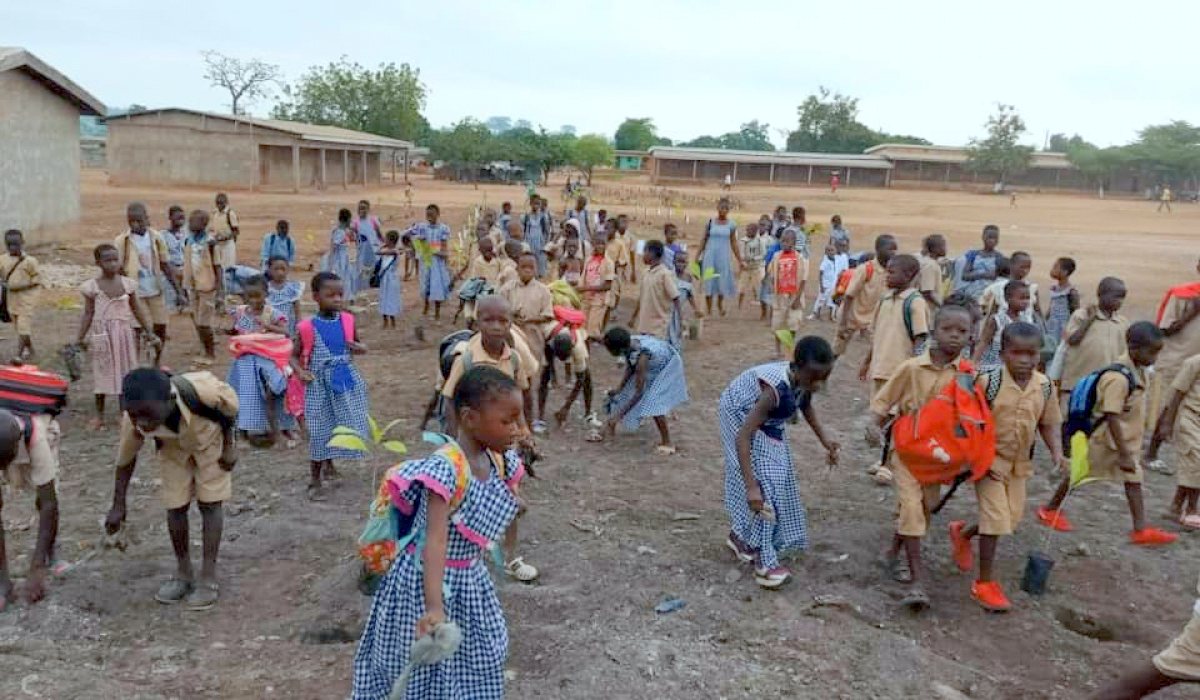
614 528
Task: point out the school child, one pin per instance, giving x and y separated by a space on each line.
410 255
799 219
538 230
659 295
406 608
1023 405
335 393
653 385
929 283
779 221
754 254
435 277
1176 313
144 257
571 271
976 269
508 265
1064 300
106 328
391 301
789 273
718 249
866 287
342 260
596 286
505 216
173 237
20 276
601 220
1114 448
913 383
259 382
532 305
686 284
766 516
837 232
1015 309
1180 422
671 247
29 456
278 244
1095 336
190 418
284 294
225 231
570 346
900 327
582 217
832 266
1019 266
203 280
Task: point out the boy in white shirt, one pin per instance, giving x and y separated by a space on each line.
832 266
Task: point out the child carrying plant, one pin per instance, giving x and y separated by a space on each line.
685 282
259 380
391 301
106 328
789 273
1180 423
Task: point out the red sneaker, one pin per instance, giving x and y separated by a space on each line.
964 556
1152 537
990 595
1054 519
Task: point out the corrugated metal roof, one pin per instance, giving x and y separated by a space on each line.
17 58
957 154
308 132
725 155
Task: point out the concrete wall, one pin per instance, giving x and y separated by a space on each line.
92 153
39 156
141 152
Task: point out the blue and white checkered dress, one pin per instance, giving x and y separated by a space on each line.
435 277
675 326
391 300
324 408
771 459
666 385
476 672
342 260
284 299
252 376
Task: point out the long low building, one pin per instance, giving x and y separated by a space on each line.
886 165
785 168
189 147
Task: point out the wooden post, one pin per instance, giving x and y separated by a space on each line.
324 179
887 178
694 164
771 177
406 166
810 174
1057 173
734 171
847 182
947 173
919 167
345 168
364 168
295 167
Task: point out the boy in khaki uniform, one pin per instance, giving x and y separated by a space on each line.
866 287
929 282
754 254
21 276
659 295
1023 405
486 266
1095 336
143 253
914 382
1115 447
532 306
225 231
204 281
29 456
1180 421
896 335
191 419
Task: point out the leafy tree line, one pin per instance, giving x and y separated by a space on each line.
1163 153
471 144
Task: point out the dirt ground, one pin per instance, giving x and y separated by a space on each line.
614 529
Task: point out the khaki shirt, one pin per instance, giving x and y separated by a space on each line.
521 369
930 278
27 274
891 343
617 249
1115 398
222 223
865 294
597 272
1187 427
128 255
1179 347
915 381
488 270
1018 413
508 273
197 438
657 301
531 303
198 273
579 349
1103 344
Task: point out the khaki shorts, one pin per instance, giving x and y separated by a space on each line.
595 309
1102 461
750 280
1181 660
23 323
157 307
783 316
1001 496
204 308
913 500
39 463
183 480
1189 467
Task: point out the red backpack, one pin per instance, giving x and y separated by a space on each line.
951 438
29 390
1191 290
567 317
846 276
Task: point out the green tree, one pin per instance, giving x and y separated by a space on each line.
465 147
829 124
1098 165
589 151
386 100
1000 154
499 125
703 142
753 136
636 134
1168 152
1060 143
246 81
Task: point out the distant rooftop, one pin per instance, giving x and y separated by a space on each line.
728 155
311 132
16 58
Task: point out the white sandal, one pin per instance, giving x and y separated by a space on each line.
518 569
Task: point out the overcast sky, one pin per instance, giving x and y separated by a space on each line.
931 69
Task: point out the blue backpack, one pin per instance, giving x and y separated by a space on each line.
1081 408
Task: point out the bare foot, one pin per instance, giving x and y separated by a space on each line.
35 585
560 417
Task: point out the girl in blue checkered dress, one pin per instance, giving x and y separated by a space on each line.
342 260
461 500
258 379
335 393
653 386
766 515
435 276
284 294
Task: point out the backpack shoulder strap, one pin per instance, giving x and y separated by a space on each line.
993 379
1047 388
187 392
306 332
908 317
348 327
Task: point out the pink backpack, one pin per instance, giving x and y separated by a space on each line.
307 335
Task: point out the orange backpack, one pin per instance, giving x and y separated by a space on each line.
844 279
951 438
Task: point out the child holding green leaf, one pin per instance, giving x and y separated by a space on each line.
788 272
685 280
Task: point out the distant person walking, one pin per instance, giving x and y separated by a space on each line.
834 181
1164 198
225 230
